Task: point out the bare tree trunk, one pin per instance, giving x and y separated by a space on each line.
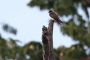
47 39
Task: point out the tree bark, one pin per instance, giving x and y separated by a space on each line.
47 39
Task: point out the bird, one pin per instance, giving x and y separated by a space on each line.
55 16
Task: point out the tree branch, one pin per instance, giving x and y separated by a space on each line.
47 39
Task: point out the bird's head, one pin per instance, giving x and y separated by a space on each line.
51 11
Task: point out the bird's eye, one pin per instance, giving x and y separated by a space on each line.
50 11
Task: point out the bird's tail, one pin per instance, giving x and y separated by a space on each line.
59 22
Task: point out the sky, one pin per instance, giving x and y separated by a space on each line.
28 22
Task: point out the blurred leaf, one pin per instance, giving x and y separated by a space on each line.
9 29
34 50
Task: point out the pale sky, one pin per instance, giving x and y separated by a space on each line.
28 22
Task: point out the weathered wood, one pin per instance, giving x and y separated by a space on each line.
47 39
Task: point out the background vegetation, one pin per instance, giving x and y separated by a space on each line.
77 27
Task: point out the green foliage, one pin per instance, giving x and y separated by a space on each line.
7 49
63 7
74 52
77 30
34 50
9 29
76 27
